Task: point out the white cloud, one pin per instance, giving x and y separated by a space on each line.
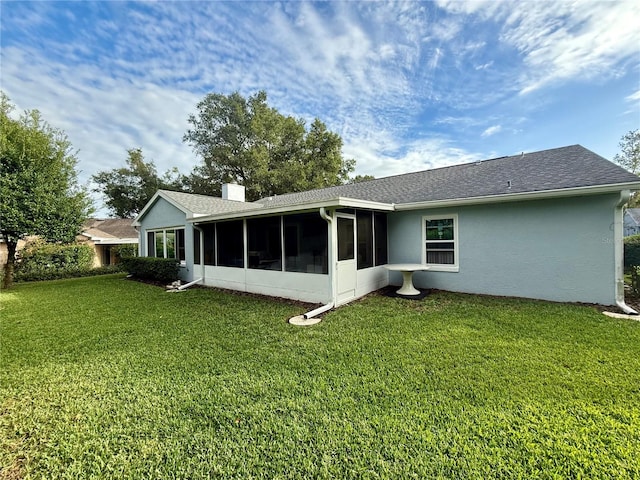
634 97
564 40
492 131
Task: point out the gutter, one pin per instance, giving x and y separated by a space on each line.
619 253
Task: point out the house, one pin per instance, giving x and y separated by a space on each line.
104 235
631 221
544 225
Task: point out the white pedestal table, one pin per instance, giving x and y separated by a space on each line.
407 270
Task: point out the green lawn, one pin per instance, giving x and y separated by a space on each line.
108 378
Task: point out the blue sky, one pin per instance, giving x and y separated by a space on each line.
408 86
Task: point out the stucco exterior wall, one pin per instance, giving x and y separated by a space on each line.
559 249
164 215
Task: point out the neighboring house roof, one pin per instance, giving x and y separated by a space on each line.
633 216
110 230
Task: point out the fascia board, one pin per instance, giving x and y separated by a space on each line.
113 241
338 202
516 197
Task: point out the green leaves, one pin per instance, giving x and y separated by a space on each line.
127 190
629 156
246 141
39 194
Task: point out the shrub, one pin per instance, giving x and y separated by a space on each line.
635 281
151 268
631 251
47 261
126 250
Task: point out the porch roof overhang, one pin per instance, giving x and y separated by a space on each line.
265 210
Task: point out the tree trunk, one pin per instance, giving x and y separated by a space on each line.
7 281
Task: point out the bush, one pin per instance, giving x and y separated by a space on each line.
151 268
635 281
47 261
631 251
126 250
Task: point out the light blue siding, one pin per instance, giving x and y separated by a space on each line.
560 249
164 215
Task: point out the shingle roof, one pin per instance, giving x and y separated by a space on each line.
198 205
560 168
109 228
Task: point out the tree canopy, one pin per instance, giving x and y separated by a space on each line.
128 189
629 156
39 193
246 141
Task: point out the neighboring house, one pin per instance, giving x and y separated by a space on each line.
631 221
544 225
106 234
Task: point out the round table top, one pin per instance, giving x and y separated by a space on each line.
407 267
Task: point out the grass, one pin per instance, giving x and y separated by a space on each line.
107 378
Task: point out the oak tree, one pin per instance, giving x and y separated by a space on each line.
244 140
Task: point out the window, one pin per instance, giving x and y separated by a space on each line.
441 242
196 246
380 238
305 243
264 236
180 250
346 248
151 244
372 238
364 221
209 243
159 244
230 239
166 244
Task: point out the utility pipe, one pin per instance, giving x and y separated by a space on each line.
325 308
187 285
201 251
619 253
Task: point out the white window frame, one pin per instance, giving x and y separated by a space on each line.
440 267
163 231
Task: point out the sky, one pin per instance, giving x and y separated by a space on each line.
407 85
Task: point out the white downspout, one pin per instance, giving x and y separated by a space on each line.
618 240
307 318
325 308
202 275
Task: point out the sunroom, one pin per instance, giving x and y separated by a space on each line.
321 254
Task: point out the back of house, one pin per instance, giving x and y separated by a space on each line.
546 225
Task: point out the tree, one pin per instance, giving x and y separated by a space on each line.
246 141
39 193
361 178
629 158
128 189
